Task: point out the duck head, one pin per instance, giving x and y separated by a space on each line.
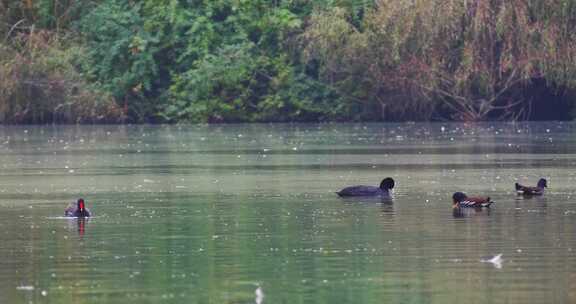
81 205
458 197
542 183
387 184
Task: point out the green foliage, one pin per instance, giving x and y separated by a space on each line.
284 60
468 59
237 85
199 60
39 83
42 14
369 66
39 59
121 54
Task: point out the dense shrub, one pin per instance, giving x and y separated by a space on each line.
39 83
204 60
283 60
40 80
468 60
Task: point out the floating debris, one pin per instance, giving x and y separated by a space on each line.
496 261
259 295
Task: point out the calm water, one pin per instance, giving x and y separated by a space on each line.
208 214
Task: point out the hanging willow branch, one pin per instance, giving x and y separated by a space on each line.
473 57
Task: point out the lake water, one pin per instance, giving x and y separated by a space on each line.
248 214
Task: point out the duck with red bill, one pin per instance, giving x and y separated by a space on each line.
79 210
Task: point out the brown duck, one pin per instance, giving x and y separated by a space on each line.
460 199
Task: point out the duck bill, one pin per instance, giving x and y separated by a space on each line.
455 204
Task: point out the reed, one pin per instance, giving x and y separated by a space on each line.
40 82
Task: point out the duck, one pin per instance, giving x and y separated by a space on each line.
79 210
527 190
460 199
384 190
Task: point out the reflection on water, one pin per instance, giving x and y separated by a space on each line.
469 212
81 225
249 214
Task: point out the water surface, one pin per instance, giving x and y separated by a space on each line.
208 214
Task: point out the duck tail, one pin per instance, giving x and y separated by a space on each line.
488 202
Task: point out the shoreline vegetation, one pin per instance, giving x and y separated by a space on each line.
212 61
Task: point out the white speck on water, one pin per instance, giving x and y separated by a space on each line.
25 287
295 149
259 295
519 250
496 261
44 293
